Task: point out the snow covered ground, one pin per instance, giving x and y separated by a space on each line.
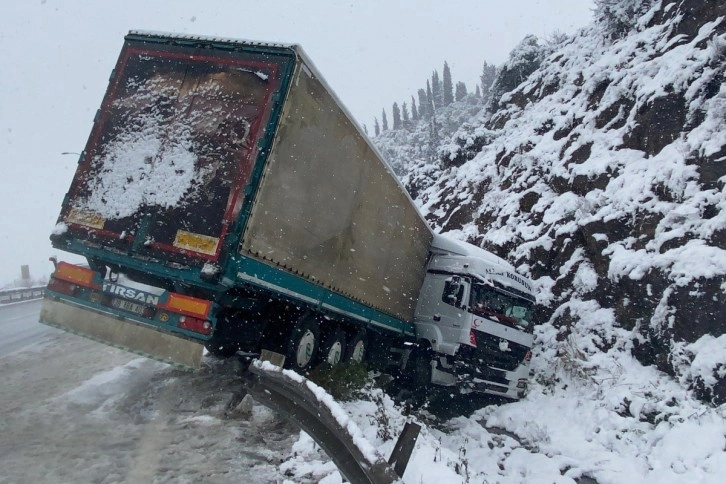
77 411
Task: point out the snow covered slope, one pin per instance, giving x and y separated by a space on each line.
602 176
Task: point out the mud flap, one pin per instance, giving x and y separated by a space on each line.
121 333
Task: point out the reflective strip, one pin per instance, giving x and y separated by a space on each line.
274 287
346 313
196 242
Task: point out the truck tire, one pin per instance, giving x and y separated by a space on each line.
419 368
415 379
357 348
221 349
332 347
302 344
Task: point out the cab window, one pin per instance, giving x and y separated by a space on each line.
453 292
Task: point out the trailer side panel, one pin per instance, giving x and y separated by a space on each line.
330 209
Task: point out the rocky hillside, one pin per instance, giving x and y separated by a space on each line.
599 168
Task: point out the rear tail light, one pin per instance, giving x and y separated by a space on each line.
63 287
195 324
472 338
528 356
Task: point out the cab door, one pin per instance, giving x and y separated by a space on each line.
441 316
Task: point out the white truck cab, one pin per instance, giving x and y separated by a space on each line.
475 312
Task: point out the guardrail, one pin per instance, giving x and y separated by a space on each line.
21 294
295 400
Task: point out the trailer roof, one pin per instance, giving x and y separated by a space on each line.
209 38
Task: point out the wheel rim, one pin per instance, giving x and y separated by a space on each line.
358 351
305 349
334 353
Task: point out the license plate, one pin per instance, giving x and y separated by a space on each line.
129 306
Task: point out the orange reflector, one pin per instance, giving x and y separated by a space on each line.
78 275
187 305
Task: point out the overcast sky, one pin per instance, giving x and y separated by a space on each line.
57 56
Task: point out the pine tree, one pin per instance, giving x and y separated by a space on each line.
404 114
396 116
376 127
384 120
436 90
414 111
460 91
448 88
422 104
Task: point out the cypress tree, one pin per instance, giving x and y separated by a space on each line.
436 90
404 114
422 104
429 99
460 91
448 88
384 120
477 94
376 127
414 111
396 116
489 72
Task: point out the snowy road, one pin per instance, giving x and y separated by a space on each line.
19 326
77 411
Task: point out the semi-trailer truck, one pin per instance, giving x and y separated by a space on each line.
227 199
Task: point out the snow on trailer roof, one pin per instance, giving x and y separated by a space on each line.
457 257
209 38
445 244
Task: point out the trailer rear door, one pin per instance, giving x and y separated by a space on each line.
172 148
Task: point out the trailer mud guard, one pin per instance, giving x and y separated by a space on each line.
121 333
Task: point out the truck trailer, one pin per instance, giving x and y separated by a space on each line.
226 199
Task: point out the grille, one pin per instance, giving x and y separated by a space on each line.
487 354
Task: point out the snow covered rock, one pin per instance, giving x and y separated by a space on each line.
602 175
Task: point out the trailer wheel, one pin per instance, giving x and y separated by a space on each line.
332 347
302 344
357 347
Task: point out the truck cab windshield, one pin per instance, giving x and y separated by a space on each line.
507 309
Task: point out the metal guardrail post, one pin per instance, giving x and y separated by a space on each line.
404 447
